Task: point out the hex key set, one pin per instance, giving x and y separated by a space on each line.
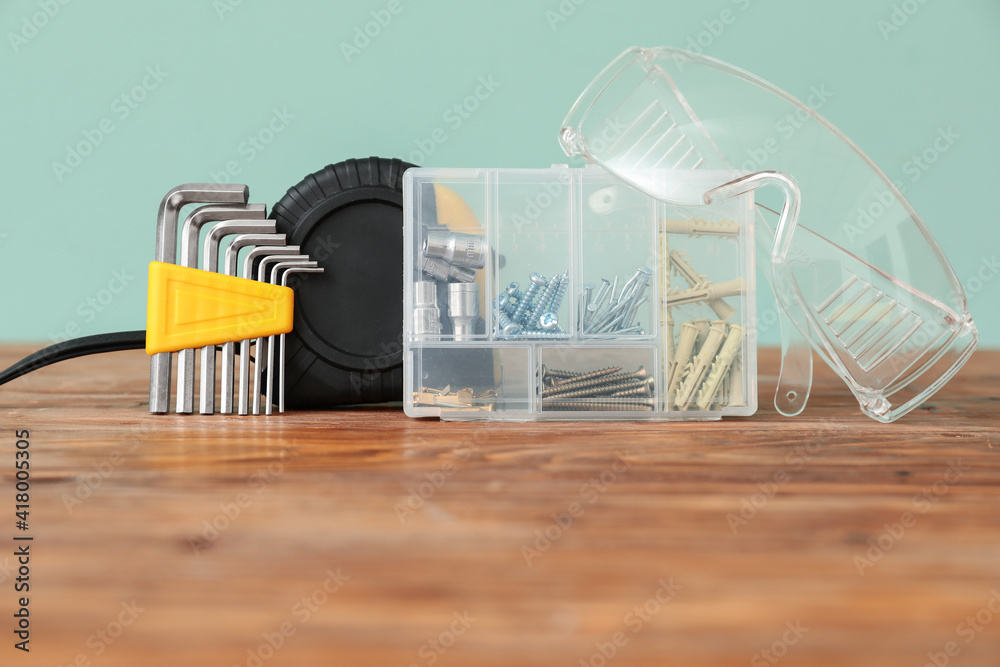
201 302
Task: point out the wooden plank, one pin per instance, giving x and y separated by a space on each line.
552 537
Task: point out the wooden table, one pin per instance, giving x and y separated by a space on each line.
361 537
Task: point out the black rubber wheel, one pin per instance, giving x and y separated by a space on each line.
346 347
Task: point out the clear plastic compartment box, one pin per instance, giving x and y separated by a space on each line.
563 294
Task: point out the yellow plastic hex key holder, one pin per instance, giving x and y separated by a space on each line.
190 308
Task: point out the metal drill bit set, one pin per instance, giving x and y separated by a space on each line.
564 345
231 227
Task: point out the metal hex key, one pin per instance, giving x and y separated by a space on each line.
281 343
190 234
263 241
279 269
261 345
166 251
248 273
210 262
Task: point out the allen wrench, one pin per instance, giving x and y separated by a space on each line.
210 262
315 268
261 253
166 251
261 347
229 268
190 234
286 265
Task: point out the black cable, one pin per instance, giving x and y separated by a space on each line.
71 349
79 347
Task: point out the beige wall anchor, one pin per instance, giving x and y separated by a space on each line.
706 293
736 396
685 348
720 367
700 227
682 265
700 365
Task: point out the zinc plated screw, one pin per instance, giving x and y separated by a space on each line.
548 321
507 328
532 333
537 281
549 294
557 298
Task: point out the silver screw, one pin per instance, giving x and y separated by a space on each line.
548 321
537 282
531 333
557 298
544 302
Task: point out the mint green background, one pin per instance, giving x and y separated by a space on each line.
60 241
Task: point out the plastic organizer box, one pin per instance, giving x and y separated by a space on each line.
562 294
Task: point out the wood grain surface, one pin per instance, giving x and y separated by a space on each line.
361 537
